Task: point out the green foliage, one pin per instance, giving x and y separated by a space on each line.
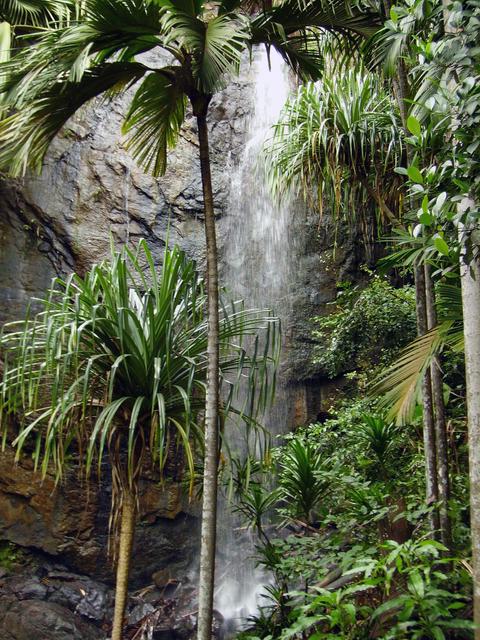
399 384
426 606
340 139
63 66
116 362
404 590
10 554
304 479
368 327
255 505
397 591
327 615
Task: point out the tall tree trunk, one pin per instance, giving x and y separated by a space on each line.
430 427
124 554
470 281
431 484
210 480
441 443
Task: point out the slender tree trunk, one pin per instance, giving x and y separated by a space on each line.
441 442
210 481
431 484
402 92
470 281
127 528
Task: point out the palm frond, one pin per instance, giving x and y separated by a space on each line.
32 12
154 119
26 134
214 47
400 384
225 41
300 29
337 16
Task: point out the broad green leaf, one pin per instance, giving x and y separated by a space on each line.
414 126
441 245
426 219
414 174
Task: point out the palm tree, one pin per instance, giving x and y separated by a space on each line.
67 66
115 364
20 16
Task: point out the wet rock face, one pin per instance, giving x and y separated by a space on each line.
91 191
44 621
43 601
70 521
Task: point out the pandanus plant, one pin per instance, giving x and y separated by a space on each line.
114 365
340 139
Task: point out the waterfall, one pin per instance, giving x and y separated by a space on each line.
258 254
257 258
257 251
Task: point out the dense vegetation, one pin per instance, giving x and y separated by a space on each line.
363 519
344 527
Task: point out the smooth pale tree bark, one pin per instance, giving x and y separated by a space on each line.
431 483
124 553
210 479
440 422
470 282
432 379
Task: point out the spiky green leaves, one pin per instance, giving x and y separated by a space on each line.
400 384
65 66
211 49
116 361
31 12
297 30
341 137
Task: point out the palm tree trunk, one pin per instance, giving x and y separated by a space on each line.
124 554
470 282
441 443
431 484
402 92
210 472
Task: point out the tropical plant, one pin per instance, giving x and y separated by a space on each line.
341 138
65 67
115 364
400 383
368 326
18 17
304 479
379 438
326 614
423 604
255 505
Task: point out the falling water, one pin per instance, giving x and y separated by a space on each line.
258 264
256 253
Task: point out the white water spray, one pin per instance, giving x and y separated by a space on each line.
258 264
